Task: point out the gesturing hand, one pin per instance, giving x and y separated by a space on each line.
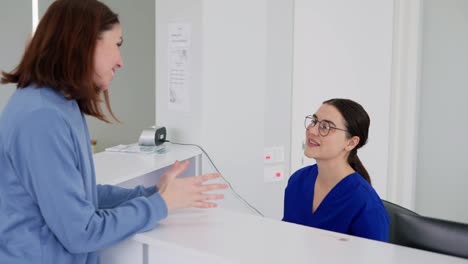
189 191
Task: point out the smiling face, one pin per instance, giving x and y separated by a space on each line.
107 57
334 146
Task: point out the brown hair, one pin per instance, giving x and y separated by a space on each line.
357 123
61 53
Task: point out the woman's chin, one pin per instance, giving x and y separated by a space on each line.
309 154
104 88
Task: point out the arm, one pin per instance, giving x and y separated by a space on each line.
110 196
290 198
286 204
372 224
48 165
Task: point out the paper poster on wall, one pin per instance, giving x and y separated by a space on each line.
179 66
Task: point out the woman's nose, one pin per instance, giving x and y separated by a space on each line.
120 62
313 130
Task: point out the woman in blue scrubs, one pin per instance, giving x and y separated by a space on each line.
336 193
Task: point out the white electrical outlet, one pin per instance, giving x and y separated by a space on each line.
273 174
273 155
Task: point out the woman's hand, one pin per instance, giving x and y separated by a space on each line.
188 191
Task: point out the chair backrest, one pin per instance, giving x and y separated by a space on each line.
410 229
436 235
393 210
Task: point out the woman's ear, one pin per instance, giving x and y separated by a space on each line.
352 143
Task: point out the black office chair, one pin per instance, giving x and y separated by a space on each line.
412 230
437 235
393 210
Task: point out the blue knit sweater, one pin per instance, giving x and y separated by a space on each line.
51 210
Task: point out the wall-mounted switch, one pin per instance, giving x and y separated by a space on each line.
273 174
273 155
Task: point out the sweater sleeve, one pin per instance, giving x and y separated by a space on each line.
110 196
45 157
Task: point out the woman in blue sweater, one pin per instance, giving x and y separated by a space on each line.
336 193
51 210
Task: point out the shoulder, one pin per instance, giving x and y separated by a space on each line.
371 219
32 102
361 194
302 173
32 113
364 190
41 124
32 97
32 105
368 198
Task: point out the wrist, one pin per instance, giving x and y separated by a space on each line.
166 200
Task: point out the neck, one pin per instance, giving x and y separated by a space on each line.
332 172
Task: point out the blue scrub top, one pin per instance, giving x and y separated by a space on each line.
351 207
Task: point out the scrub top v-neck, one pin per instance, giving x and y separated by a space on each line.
351 207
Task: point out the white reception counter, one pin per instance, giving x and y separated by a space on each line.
223 235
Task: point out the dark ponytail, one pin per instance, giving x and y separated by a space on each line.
357 123
356 164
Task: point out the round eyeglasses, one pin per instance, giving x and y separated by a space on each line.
324 126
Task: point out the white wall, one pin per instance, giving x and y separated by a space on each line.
343 49
234 87
15 26
404 105
278 94
442 168
132 91
240 95
181 126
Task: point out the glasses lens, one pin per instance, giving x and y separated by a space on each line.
308 121
324 128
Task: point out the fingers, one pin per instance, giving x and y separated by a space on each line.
212 187
206 177
201 204
202 200
204 197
